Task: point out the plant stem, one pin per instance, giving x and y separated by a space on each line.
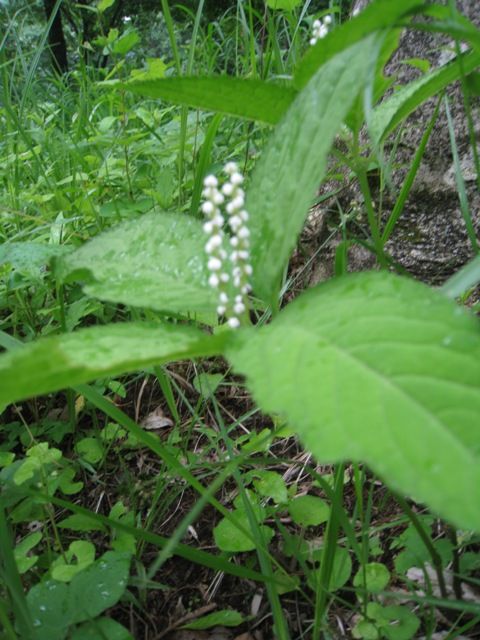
12 581
328 554
434 555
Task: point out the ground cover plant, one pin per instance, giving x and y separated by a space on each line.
194 446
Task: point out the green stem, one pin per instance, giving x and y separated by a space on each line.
372 216
12 581
171 34
328 554
9 631
72 419
425 538
456 582
280 625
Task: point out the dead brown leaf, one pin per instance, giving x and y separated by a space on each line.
156 419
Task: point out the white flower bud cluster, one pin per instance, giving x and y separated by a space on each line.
239 255
320 29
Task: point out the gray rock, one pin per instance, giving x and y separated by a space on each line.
430 239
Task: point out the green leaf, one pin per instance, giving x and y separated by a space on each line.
286 5
341 571
292 165
54 606
270 484
207 383
107 123
63 569
228 537
224 618
376 368
66 484
29 258
308 511
390 113
464 280
100 629
374 577
122 541
125 43
156 261
23 558
54 363
6 458
100 586
366 630
103 5
38 456
379 15
285 583
156 68
79 522
246 98
90 449
256 442
396 622
49 607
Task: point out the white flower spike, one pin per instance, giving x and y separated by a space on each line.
320 29
239 256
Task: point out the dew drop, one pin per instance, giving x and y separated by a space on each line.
37 623
104 594
447 341
42 607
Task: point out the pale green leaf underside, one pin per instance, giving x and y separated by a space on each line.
156 261
67 360
293 164
379 369
29 257
247 98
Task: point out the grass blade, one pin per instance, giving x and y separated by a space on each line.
410 179
11 579
462 192
463 280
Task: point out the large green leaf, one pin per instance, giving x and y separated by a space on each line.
292 165
382 14
99 586
404 101
380 369
55 606
66 360
29 258
247 98
50 609
100 629
156 261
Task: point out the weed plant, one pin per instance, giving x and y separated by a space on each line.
156 391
